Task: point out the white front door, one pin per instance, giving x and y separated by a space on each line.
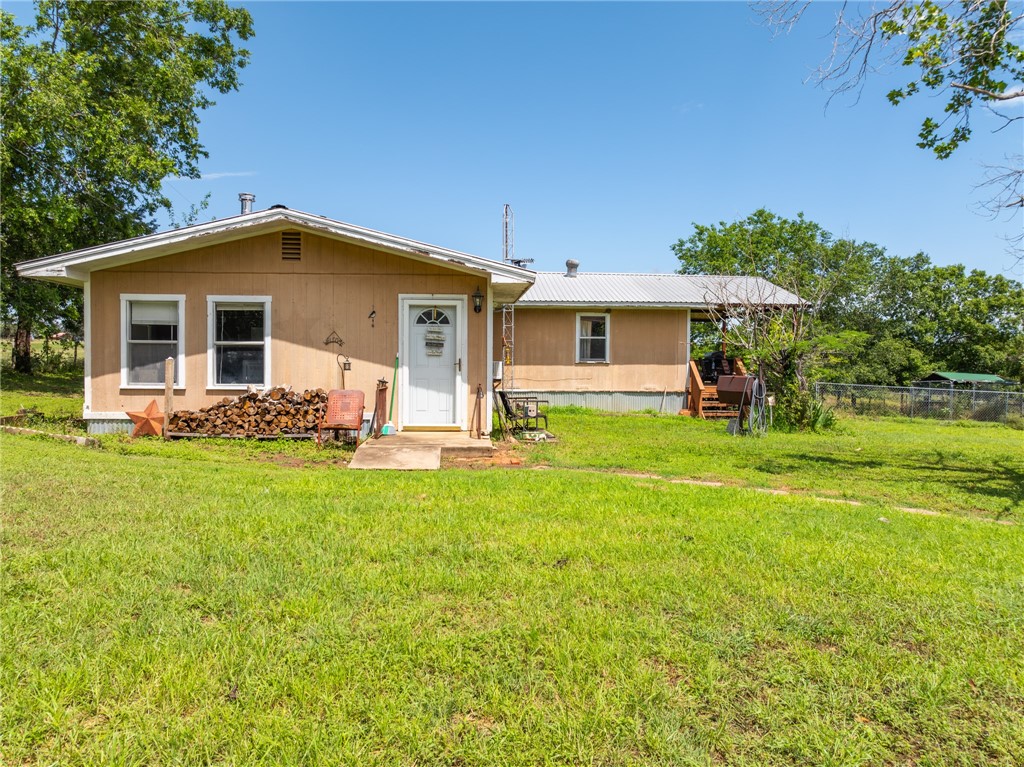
434 364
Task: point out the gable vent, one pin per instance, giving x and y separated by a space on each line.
291 246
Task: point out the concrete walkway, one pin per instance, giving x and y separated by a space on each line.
418 450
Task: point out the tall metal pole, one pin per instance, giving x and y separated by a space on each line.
508 310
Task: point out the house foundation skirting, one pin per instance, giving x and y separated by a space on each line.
614 401
111 424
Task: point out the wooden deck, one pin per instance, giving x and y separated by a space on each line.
703 400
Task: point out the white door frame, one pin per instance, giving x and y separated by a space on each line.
405 302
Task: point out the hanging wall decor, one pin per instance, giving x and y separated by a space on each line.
434 342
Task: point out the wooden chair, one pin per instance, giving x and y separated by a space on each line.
523 412
344 413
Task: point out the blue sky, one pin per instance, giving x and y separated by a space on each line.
608 127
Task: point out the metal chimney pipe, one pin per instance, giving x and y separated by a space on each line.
247 199
571 265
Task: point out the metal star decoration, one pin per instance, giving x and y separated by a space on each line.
148 422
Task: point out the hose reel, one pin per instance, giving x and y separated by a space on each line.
747 393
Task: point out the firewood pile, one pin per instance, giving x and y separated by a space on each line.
277 412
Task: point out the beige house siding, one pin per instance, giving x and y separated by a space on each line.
333 287
648 351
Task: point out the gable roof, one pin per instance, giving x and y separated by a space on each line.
73 268
652 290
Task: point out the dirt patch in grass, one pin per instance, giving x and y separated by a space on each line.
483 724
304 462
669 670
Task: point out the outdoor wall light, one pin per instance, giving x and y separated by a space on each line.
478 300
346 365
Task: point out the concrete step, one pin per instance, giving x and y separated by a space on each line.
483 450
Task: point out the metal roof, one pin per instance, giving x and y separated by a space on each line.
652 290
966 377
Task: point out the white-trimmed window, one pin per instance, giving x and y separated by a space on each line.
152 329
238 350
592 339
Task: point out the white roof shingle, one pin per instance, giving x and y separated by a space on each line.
652 290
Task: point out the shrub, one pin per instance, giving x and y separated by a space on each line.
800 411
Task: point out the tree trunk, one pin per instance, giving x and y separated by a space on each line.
22 352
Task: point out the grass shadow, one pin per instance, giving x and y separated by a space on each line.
68 383
1001 480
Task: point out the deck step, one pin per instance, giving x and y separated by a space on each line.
721 414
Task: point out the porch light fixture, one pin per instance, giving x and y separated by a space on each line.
346 365
478 300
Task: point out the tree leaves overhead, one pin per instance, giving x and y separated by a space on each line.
101 104
966 47
966 52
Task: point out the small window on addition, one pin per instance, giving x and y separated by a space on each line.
592 338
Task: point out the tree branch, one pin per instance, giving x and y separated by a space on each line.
1005 96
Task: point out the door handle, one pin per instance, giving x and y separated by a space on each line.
459 364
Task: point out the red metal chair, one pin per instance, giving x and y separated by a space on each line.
344 413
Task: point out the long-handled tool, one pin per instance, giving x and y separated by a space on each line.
389 427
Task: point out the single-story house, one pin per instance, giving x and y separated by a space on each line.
619 341
261 299
283 297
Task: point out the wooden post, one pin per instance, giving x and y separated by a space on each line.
168 392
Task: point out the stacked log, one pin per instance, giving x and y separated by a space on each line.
277 412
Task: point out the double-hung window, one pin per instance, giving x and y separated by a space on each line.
592 338
239 341
152 329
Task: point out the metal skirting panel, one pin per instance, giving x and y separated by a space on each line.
109 426
124 425
613 401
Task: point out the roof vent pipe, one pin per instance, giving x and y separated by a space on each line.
247 199
571 265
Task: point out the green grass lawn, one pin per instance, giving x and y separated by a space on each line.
225 603
962 467
59 396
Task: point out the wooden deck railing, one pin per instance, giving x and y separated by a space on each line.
702 401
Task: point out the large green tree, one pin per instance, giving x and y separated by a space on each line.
101 103
917 317
800 256
868 317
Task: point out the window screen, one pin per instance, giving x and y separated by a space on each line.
153 330
239 343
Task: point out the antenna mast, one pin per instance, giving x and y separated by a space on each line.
508 310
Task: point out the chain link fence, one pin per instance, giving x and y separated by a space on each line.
921 402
